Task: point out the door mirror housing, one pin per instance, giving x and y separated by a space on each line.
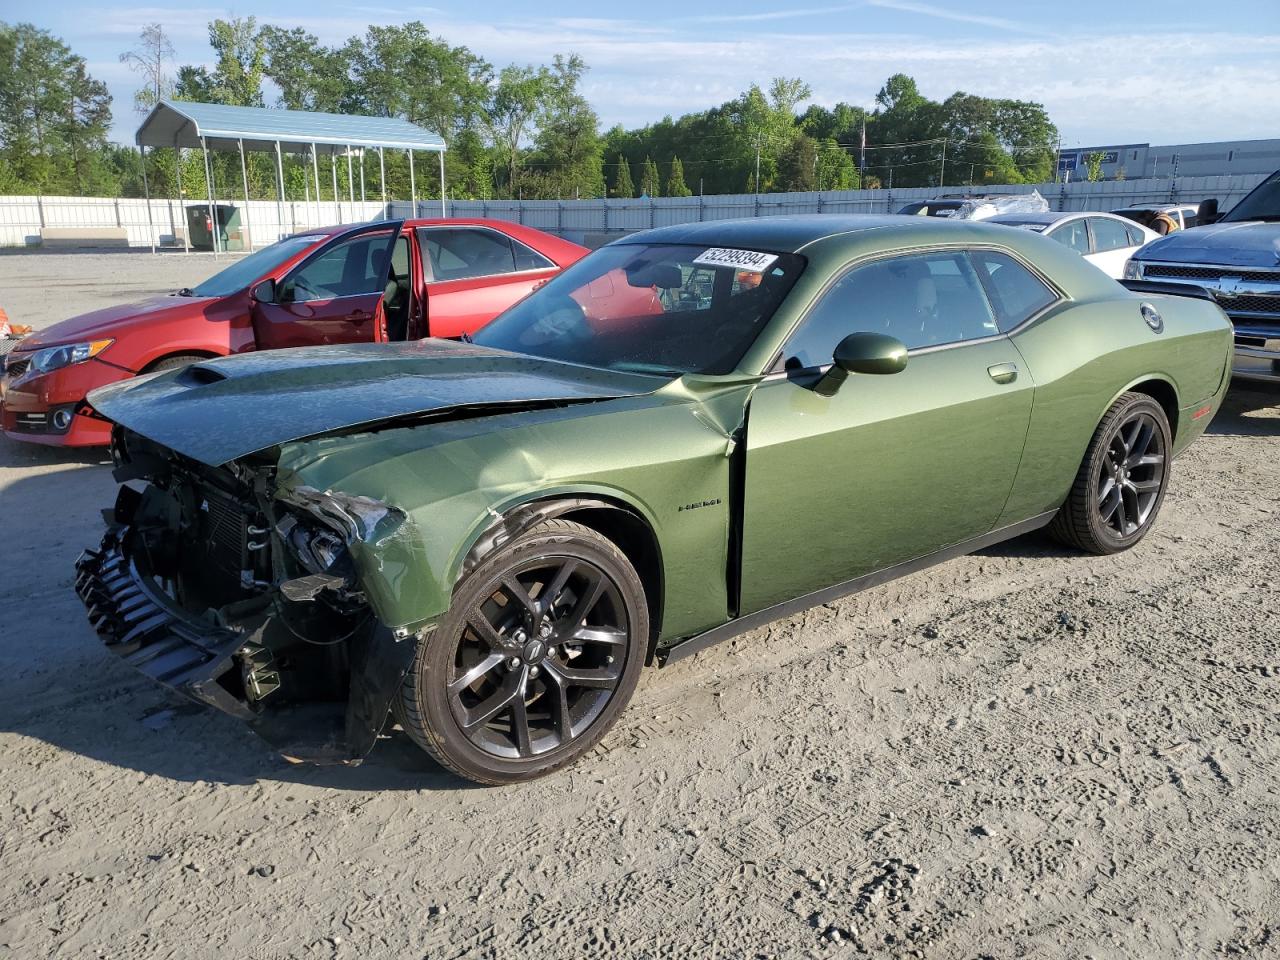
1208 211
869 353
264 291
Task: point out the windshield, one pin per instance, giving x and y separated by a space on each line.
1262 204
665 309
243 272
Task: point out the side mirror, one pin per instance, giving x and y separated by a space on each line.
1208 211
263 291
869 353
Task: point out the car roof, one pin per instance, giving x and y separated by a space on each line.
790 234
1045 216
1159 206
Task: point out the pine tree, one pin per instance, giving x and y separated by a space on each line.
622 185
676 187
650 184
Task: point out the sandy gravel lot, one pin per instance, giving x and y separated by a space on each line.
1023 753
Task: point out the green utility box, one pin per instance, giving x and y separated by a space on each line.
200 231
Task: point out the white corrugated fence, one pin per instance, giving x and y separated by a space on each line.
22 219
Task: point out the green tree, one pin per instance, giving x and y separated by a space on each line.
623 187
54 116
568 143
676 187
836 168
1093 166
650 184
798 165
519 94
310 75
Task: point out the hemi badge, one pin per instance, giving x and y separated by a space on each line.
1206 409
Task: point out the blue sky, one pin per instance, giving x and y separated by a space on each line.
1108 72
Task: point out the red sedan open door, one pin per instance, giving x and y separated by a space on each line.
333 296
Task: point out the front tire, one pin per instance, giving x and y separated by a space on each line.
538 655
1121 483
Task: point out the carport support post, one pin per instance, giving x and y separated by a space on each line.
413 185
146 192
208 179
279 189
442 209
177 153
382 177
333 170
362 196
244 177
315 169
351 182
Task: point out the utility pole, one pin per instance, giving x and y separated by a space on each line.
942 167
862 153
757 164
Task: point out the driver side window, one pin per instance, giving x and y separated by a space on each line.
922 299
348 268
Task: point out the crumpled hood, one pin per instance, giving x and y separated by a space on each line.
111 321
1250 243
218 410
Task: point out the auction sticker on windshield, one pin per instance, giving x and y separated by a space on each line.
749 260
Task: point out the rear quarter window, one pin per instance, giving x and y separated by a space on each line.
1016 293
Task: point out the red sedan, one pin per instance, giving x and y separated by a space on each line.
391 280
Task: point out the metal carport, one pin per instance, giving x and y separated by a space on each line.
181 124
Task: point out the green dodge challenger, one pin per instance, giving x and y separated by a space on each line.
687 434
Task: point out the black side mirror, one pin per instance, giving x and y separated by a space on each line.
869 353
264 291
1208 211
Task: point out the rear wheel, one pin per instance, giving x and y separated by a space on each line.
538 655
1121 483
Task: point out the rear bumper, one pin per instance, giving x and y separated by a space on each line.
1256 362
215 666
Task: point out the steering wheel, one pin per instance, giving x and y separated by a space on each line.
563 319
299 283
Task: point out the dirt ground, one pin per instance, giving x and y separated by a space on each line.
1023 753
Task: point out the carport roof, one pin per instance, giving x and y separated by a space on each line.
180 123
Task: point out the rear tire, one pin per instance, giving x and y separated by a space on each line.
536 658
1121 483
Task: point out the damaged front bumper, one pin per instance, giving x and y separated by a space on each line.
230 669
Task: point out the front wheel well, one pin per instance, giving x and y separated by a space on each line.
155 363
640 546
612 519
1163 393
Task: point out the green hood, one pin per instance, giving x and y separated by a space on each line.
218 410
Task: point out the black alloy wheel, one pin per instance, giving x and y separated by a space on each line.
536 658
539 658
1122 481
1131 474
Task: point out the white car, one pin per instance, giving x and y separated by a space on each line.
1105 240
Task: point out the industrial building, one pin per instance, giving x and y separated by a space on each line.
1131 161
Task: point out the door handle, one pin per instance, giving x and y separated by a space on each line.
1003 372
358 316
